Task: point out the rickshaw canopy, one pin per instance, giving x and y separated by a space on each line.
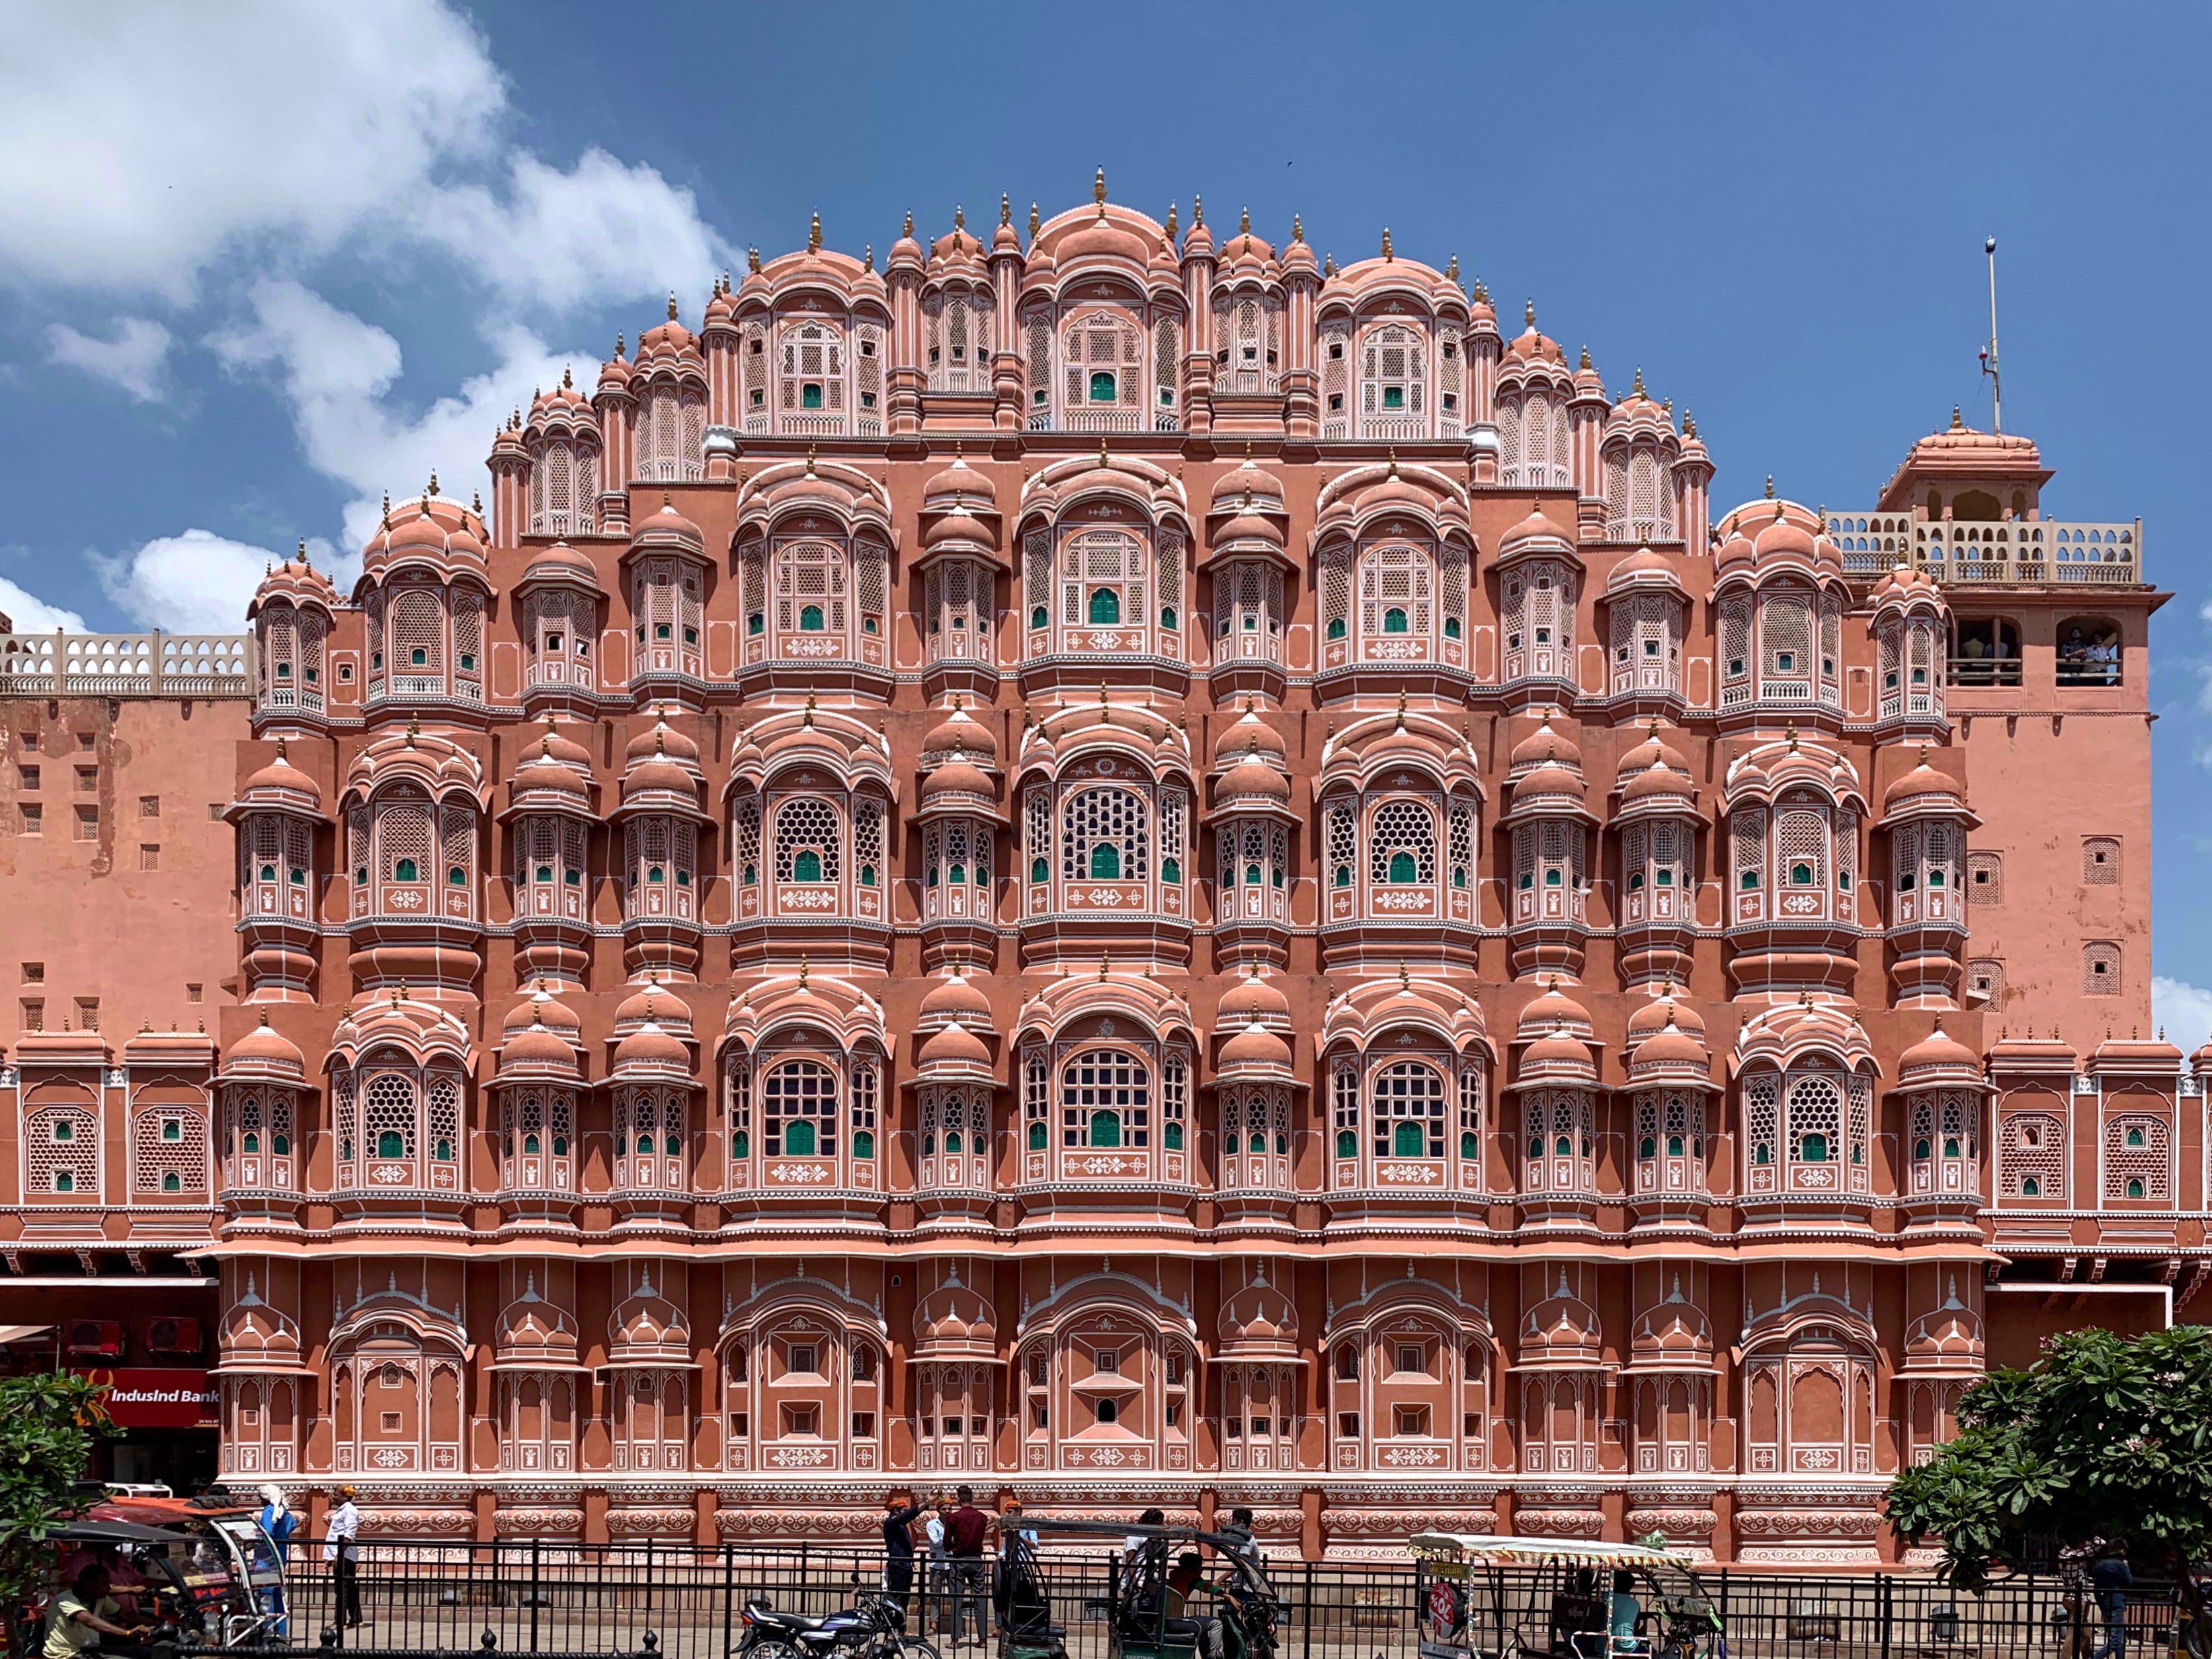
1540 1551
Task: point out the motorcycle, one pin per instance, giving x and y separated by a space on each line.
873 1628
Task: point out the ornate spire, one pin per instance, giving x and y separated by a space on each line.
1386 244
1197 209
1033 221
1451 268
752 260
814 233
1585 362
1171 225
1244 222
1099 193
1637 391
671 305
959 217
867 256
1529 313
1298 228
1005 208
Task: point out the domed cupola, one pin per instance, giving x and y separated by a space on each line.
292 613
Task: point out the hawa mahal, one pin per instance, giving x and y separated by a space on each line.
1123 866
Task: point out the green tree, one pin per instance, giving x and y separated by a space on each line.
2105 1442
48 1426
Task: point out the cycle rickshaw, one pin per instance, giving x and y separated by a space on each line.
1588 1600
1157 1607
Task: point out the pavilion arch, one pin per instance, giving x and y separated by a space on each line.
396 1376
1106 1372
805 1380
1809 1384
1411 1376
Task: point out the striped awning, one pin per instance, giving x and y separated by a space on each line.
1532 1551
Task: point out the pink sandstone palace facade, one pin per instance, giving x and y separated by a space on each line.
1119 867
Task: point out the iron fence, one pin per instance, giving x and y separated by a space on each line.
557 1596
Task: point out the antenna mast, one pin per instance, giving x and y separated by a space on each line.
1989 357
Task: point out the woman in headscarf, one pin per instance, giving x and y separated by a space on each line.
280 1524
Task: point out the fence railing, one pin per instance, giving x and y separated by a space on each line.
557 1596
150 665
1955 552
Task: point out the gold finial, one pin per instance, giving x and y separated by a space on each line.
808 719
1005 208
867 256
1298 228
1102 452
1792 735
1923 754
1033 221
413 727
1637 391
568 379
265 1017
1394 461
1689 424
1451 268
814 233
1769 486
1405 977
803 966
475 506
908 230
1098 187
1955 421
1482 292
1170 226
1585 362
1386 244
752 260
434 480
280 750
1244 222
1328 264
1528 311
1197 209
959 217
303 550
387 509
809 460
671 305
1105 963
1401 711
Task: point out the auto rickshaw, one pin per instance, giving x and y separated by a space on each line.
1589 1600
210 1574
1230 1614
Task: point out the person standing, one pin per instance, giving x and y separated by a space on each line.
899 1516
279 1523
2112 1580
963 1542
941 1562
342 1549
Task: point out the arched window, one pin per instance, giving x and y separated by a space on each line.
1105 1100
1408 1102
806 840
1397 590
1103 836
1393 385
1402 844
798 1100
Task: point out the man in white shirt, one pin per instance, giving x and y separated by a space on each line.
342 1549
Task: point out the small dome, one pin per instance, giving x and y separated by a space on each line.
1549 783
662 739
1553 1011
265 1052
650 1049
668 528
1922 784
652 1003
1938 1052
957 781
1247 738
1254 1052
1659 782
286 782
1654 750
1546 745
1251 779
540 1008
559 563
1251 999
959 483
540 1048
956 998
1661 1011
961 734
1644 569
954 1049
1247 488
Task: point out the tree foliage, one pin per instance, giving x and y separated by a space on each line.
2105 1441
48 1426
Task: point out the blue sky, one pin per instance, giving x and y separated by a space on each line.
259 263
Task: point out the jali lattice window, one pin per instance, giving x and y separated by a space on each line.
169 1150
2032 1156
2138 1158
1105 1100
1102 835
798 1102
1402 845
1409 1113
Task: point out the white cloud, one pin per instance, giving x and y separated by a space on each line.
32 615
336 370
600 231
140 143
132 360
2184 1009
379 126
195 583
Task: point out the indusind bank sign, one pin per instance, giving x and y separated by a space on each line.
165 1399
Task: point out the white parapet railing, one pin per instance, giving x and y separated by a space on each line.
1961 552
148 665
